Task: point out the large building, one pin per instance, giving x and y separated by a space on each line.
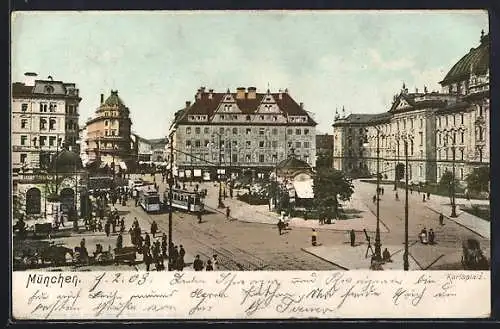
231 132
441 129
44 118
108 135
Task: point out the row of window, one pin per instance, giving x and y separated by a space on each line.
43 141
248 144
248 131
235 158
447 119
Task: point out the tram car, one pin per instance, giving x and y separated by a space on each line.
149 199
185 200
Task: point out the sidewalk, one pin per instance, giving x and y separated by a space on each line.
261 214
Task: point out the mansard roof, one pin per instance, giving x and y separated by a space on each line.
207 105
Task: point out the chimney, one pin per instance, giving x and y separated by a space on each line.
29 79
202 90
210 93
102 98
301 105
252 93
240 93
188 104
198 94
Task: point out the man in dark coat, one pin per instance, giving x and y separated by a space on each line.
198 264
147 240
154 228
182 253
119 241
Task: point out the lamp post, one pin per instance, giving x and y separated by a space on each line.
219 150
170 195
452 192
396 137
378 244
406 265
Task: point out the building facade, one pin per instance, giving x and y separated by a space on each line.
227 133
108 134
442 130
44 117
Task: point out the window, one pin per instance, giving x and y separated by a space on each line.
298 131
421 123
188 130
297 145
106 123
306 145
235 131
461 154
411 147
454 119
188 143
421 154
23 157
52 140
261 117
274 144
306 131
43 140
248 158
261 131
462 173
439 122
234 158
206 142
247 118
24 139
197 143
361 130
349 142
24 107
113 132
197 130
24 123
105 133
43 124
411 123
43 107
52 107
261 158
248 143
52 124
206 130
446 121
275 131
221 131
289 131
261 144
421 137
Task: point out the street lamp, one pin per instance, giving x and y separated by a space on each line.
378 244
170 196
396 137
406 139
452 134
219 150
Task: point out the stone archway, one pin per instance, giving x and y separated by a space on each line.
33 201
67 199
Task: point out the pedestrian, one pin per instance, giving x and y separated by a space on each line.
215 262
154 228
147 258
280 225
113 224
164 245
382 190
228 212
428 195
397 196
122 225
374 198
231 192
119 241
198 263
411 190
175 256
441 219
180 262
107 228
209 266
314 237
353 238
147 240
199 217
386 256
431 236
423 197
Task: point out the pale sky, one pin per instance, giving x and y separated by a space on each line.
326 59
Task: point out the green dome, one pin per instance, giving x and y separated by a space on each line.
114 100
66 162
476 61
293 163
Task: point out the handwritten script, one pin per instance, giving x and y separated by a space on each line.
129 295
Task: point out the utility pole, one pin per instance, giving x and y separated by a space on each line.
397 163
405 255
378 246
453 204
170 195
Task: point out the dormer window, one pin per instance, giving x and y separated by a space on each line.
248 118
49 89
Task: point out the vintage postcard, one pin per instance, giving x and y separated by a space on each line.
309 164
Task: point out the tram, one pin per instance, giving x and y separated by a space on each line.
149 199
185 200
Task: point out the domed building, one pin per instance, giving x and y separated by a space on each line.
444 131
108 135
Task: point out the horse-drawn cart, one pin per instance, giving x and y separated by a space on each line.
43 229
125 255
56 255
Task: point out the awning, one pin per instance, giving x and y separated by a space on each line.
304 189
123 165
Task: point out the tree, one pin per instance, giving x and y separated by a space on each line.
324 161
330 186
478 180
445 184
